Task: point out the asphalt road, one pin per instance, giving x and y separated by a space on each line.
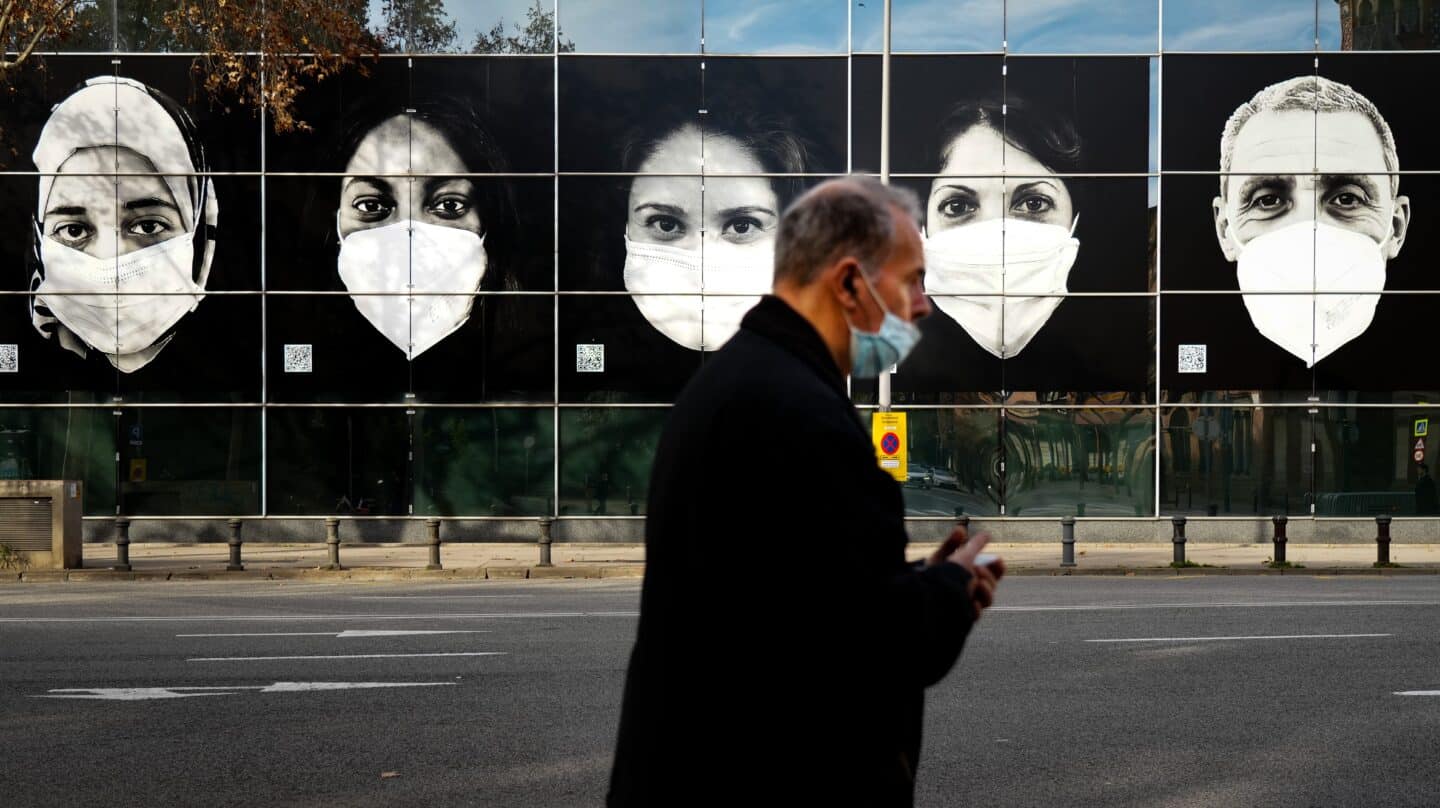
1077 691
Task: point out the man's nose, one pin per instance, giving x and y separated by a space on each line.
920 306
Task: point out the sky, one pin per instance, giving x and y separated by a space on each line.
820 26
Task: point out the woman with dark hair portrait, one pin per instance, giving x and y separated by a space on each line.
410 220
680 242
124 229
989 235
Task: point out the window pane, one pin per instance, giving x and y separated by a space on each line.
190 462
613 26
1127 26
324 348
1214 87
77 443
1077 115
338 461
619 113
1083 462
611 351
1219 461
484 462
759 26
1366 462
605 459
1238 25
954 466
924 25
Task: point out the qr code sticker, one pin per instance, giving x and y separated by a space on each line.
9 359
589 358
299 358
1192 359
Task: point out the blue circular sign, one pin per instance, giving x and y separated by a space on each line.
890 443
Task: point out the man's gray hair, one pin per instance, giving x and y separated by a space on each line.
1308 93
847 216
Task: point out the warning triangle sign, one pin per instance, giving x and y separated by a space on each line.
1419 444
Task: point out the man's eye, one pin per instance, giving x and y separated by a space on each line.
450 207
149 227
1268 201
1348 200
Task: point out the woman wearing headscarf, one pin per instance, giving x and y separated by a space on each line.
124 228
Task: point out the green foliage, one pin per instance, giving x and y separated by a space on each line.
11 558
536 36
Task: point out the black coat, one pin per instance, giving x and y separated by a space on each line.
784 643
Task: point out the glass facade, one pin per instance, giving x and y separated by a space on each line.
1179 255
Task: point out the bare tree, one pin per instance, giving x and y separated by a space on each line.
536 36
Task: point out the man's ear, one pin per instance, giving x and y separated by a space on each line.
1400 222
1222 230
842 278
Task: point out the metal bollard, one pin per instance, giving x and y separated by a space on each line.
545 540
1382 540
432 537
235 565
332 542
962 521
1067 541
122 545
1280 522
1179 539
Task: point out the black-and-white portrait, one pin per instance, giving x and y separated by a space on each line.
124 229
1310 203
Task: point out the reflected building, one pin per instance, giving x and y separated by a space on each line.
1389 24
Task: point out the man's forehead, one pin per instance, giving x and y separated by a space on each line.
1297 141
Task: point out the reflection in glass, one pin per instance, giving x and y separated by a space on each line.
927 26
1082 462
762 26
347 462
988 236
484 462
1241 25
681 242
613 26
954 463
122 258
1223 461
605 458
1371 461
190 462
1118 26
419 238
62 444
1379 25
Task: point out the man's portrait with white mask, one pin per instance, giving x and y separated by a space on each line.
1310 203
125 223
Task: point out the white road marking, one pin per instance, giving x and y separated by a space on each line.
1417 692
1099 607
151 693
345 656
1256 637
300 618
343 635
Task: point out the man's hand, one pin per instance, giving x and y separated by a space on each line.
959 548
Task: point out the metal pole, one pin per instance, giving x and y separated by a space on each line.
1382 540
122 545
1179 539
1067 541
1280 539
432 536
545 525
883 394
332 541
235 565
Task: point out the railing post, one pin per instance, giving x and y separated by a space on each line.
545 524
235 565
122 545
1280 540
1179 539
1382 540
1067 541
432 537
332 542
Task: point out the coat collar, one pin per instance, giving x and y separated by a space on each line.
775 320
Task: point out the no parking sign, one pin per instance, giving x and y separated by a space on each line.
887 430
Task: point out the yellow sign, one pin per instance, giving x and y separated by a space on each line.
887 430
138 470
1422 427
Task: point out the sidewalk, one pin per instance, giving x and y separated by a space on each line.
165 561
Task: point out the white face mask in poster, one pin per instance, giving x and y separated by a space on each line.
438 258
120 306
667 282
1309 257
967 268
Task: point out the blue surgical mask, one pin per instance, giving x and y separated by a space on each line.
872 354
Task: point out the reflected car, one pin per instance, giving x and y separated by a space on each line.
944 478
918 475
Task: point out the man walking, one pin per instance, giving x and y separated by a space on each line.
784 643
